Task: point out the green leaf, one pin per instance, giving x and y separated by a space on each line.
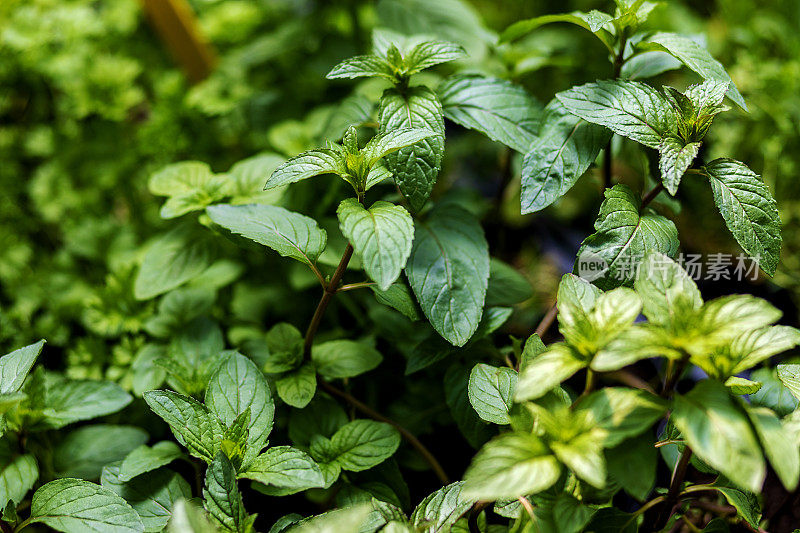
491 390
746 503
430 53
239 386
323 417
391 141
507 286
720 434
629 108
285 470
83 452
398 297
147 458
307 165
18 473
592 21
749 210
622 236
502 111
456 383
675 157
152 495
546 371
288 233
69 401
416 167
77 506
779 445
381 236
298 386
560 154
174 258
221 497
193 425
511 465
622 412
441 509
361 444
694 56
773 393
190 186
344 358
449 270
14 366
246 179
364 66
632 464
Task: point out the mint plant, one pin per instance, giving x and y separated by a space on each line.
353 332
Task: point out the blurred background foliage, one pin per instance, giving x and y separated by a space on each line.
92 103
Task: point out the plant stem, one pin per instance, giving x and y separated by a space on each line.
547 321
630 379
22 525
650 196
353 286
327 294
412 440
674 487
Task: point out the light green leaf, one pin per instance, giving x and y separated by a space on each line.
675 157
363 66
18 473
622 236
560 154
430 53
381 236
285 470
77 506
773 393
344 358
491 390
622 412
749 210
298 386
449 271
729 317
238 386
511 465
307 165
69 401
639 342
629 108
152 495
502 111
362 444
246 180
174 258
790 377
221 497
741 386
416 167
188 517
14 366
83 452
546 371
694 56
391 141
191 422
779 445
345 520
668 293
592 21
583 455
288 233
190 186
146 458
441 509
720 434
